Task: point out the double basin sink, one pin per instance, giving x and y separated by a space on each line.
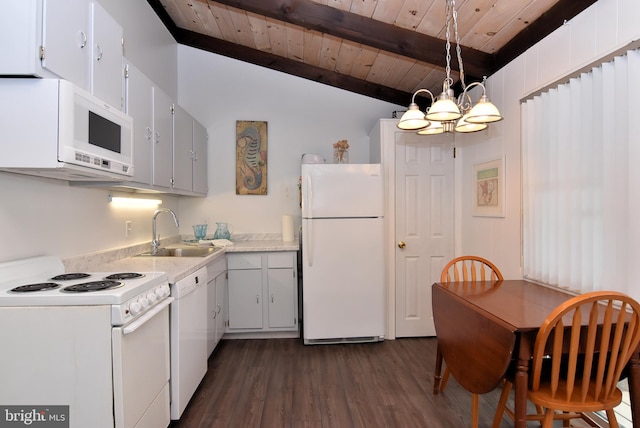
182 252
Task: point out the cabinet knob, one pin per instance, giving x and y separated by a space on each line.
83 41
401 244
257 298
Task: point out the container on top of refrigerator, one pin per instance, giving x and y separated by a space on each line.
313 158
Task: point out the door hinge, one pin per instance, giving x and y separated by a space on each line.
126 71
41 52
454 152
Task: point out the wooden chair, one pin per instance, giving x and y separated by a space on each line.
602 331
470 268
465 269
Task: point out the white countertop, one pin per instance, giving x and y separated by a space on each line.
180 267
262 245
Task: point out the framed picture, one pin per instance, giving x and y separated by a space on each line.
251 157
489 188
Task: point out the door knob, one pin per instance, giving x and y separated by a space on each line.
401 244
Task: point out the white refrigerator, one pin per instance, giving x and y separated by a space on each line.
343 272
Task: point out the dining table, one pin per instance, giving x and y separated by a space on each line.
485 328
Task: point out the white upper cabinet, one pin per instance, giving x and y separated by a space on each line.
66 43
200 141
162 139
189 154
107 82
139 90
182 150
60 39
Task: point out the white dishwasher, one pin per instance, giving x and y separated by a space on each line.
188 339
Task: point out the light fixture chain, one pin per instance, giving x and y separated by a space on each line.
448 44
454 13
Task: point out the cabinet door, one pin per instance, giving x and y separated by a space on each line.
139 105
211 315
162 151
221 305
245 299
106 57
200 178
65 39
182 150
281 298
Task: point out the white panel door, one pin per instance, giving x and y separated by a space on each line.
424 208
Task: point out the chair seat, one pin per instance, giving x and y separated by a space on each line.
543 397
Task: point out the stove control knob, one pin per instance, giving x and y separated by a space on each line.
144 302
152 297
135 308
165 290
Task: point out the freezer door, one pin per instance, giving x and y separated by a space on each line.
343 279
342 190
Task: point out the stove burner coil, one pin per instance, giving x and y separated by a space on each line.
124 275
70 276
35 287
92 286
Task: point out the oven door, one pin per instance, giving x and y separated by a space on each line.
141 370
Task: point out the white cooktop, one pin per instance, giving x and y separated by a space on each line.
43 269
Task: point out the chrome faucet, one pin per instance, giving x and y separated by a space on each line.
155 241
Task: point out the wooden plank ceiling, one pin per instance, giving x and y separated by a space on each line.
385 49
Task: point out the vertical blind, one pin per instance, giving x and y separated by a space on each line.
581 180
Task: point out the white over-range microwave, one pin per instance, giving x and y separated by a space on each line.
52 128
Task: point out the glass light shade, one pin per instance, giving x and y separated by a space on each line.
413 119
465 127
432 129
444 109
484 112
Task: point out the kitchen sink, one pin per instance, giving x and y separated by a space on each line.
182 252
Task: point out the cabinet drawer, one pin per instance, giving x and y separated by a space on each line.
281 260
244 261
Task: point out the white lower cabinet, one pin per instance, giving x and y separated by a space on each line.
263 293
216 302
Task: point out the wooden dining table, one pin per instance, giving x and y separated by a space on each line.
485 327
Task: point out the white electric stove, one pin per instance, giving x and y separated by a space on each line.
94 343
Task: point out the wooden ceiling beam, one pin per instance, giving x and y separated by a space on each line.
295 68
367 31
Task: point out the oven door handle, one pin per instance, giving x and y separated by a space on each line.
146 317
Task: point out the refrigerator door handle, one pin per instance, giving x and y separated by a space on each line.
308 243
309 197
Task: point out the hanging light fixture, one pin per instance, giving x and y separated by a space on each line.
446 112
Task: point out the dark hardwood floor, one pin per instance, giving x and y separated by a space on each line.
283 383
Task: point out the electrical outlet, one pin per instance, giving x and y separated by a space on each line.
127 228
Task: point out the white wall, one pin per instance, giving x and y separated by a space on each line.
303 117
603 28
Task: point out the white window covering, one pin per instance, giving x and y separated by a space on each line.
581 180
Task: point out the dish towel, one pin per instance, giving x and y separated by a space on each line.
216 242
